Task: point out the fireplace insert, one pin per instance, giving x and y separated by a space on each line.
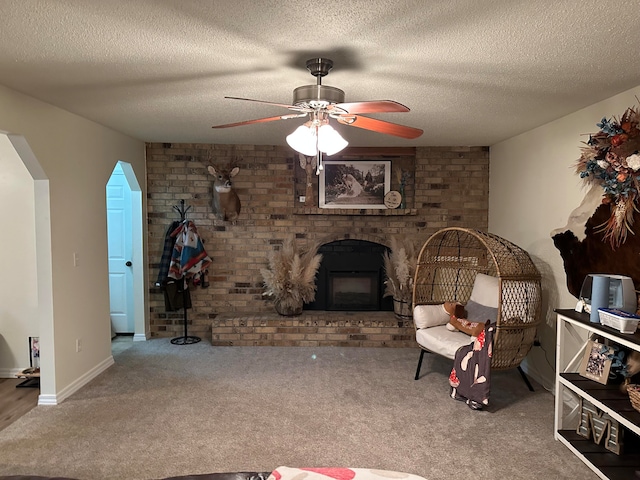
351 277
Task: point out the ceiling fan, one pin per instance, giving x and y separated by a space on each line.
321 103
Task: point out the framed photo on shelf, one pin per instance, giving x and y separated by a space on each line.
358 184
596 363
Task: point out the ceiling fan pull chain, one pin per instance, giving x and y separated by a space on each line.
319 163
318 155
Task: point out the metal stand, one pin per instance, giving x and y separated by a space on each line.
526 380
31 376
185 339
33 382
524 375
419 365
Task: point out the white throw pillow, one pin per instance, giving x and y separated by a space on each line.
485 290
425 316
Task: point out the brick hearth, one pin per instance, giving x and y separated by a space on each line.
313 329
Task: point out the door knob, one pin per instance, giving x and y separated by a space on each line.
128 264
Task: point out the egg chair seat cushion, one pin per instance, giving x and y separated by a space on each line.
441 340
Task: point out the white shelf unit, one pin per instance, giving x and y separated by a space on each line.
573 330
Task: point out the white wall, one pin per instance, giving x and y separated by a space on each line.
533 188
18 285
77 156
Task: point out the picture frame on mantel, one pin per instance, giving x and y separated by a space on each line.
596 362
352 184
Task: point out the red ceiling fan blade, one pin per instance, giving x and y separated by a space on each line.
373 106
262 120
380 126
290 107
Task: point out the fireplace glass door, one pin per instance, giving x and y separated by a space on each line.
353 291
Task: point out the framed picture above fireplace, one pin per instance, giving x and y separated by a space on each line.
354 184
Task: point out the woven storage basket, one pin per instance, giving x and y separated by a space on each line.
402 309
634 395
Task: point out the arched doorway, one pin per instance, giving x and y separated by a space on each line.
26 195
126 272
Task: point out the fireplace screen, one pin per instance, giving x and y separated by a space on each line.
353 291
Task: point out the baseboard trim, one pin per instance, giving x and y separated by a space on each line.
47 399
9 372
140 337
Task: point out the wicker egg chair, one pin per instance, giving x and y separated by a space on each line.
446 269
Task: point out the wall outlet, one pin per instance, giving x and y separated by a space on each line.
303 199
78 345
76 260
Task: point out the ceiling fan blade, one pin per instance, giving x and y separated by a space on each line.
262 120
373 106
380 126
290 107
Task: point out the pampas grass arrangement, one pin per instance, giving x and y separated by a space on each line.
290 278
400 267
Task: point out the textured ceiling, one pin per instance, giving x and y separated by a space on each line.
473 72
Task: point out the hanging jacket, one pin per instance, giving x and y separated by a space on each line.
189 257
176 295
167 252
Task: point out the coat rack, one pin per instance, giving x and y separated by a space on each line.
185 339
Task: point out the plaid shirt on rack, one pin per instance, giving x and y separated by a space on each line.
165 262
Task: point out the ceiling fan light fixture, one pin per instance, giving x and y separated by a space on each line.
329 140
308 139
303 140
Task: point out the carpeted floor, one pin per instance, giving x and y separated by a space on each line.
166 410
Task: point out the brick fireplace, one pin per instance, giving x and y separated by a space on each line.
448 186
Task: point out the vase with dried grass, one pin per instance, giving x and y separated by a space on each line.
400 267
290 277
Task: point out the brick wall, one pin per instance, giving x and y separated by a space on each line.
448 186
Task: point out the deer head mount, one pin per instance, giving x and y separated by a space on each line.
226 203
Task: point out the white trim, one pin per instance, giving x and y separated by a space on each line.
47 400
44 261
140 337
140 293
10 372
77 384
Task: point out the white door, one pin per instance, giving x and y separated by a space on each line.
120 249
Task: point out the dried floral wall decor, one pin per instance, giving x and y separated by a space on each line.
611 159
